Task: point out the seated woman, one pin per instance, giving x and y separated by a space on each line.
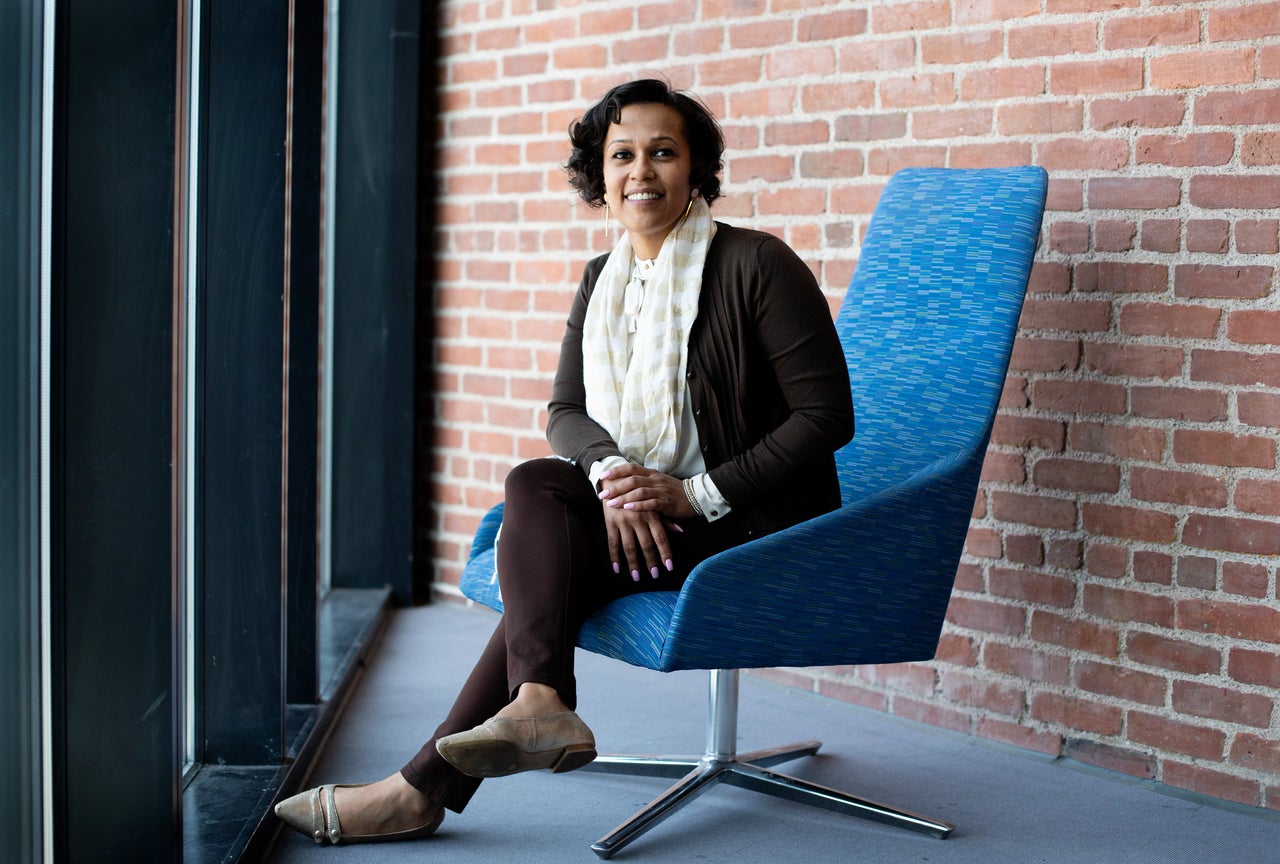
700 396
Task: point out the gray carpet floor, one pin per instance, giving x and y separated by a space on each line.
1007 805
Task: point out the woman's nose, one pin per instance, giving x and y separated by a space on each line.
641 168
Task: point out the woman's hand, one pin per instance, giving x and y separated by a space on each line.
634 487
639 506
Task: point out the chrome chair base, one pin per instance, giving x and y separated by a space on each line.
747 771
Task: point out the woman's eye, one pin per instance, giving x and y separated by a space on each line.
620 154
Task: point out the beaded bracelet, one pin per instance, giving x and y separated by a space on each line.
693 497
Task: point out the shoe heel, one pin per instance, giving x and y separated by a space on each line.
574 756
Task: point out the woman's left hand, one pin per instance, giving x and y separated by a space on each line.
634 487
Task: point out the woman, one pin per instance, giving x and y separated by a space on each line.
700 396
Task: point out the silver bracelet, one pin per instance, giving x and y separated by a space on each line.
693 497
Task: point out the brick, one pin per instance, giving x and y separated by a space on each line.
950 49
1196 572
1199 742
1049 277
952 123
1032 354
1243 23
1258 496
1140 193
1117 277
1132 361
1233 620
1235 367
963 688
1222 282
1178 403
1088 636
983 543
1077 154
1249 666
1152 567
1111 757
1029 433
1176 655
1069 238
1114 235
832 25
1026 663
1249 192
1079 397
1003 468
1132 523
1220 703
870 127
1177 487
1194 150
1063 553
876 55
1004 82
1120 604
1036 510
1129 684
1202 68
1254 327
1258 236
918 90
1209 782
1075 316
1150 112
1075 713
1237 108
1145 31
1248 580
1161 235
1075 475
1208 235
1115 75
837 99
826 164
1245 536
1040 118
851 693
986 616
1256 753
1039 588
986 11
1211 447
1259 409
1018 735
1260 148
1024 549
1129 442
1181 321
917 15
932 714
1108 560
1052 40
890 160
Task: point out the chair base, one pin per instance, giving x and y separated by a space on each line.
746 771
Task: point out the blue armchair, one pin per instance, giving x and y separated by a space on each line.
928 324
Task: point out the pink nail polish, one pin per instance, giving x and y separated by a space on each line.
628 506
653 571
635 575
670 566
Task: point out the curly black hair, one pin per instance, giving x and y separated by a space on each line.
587 134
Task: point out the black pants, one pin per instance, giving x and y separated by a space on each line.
554 570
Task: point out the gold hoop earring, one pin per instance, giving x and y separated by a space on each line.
689 206
608 228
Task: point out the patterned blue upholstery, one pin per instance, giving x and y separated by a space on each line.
928 324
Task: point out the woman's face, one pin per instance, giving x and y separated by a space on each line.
646 174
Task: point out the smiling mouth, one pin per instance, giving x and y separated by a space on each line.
643 196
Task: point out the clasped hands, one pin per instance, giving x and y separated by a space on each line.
640 506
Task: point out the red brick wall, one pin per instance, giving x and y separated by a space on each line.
1117 602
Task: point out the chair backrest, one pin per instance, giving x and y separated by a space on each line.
928 320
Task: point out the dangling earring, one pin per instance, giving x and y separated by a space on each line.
689 206
608 227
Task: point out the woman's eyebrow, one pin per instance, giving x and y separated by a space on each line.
651 140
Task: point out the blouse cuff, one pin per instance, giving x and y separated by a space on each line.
600 466
709 500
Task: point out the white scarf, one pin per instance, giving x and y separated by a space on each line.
637 395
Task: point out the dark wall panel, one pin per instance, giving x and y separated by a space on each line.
113 275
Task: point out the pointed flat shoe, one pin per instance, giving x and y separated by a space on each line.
315 814
502 746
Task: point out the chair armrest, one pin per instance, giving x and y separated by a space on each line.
869 582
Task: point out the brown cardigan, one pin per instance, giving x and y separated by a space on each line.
767 379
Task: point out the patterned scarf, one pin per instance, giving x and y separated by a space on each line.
637 395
